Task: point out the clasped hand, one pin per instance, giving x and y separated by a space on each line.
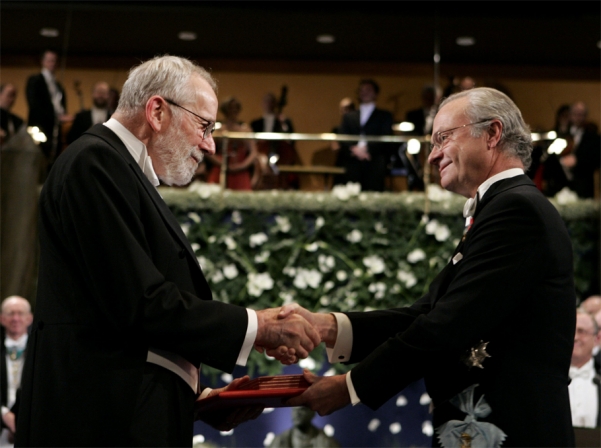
287 338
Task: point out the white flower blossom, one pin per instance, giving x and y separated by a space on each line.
307 277
408 278
325 300
431 227
286 297
211 239
341 275
438 194
375 264
236 217
257 239
204 190
311 247
194 217
396 288
230 243
373 424
185 228
195 246
328 285
319 222
378 288
230 271
203 262
442 233
416 255
380 228
354 236
566 196
289 271
350 301
217 276
326 262
257 283
262 257
307 363
283 223
357 272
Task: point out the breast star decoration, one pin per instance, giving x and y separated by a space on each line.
476 356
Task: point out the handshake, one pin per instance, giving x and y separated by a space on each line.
291 332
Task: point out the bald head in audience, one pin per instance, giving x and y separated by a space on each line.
592 305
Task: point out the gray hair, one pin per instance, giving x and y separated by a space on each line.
586 313
486 103
166 76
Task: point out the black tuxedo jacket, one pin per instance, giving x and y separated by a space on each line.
370 174
41 110
117 276
514 289
81 123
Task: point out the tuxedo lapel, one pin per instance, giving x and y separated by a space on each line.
111 138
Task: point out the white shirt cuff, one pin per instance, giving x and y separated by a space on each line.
341 352
249 339
351 390
5 410
205 392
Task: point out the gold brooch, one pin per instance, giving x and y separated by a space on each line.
476 356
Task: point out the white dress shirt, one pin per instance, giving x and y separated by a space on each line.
172 361
584 398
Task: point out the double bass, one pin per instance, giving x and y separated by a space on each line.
281 152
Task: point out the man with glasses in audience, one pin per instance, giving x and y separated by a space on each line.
493 336
124 315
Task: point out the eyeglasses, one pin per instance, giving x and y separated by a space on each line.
208 128
583 332
439 139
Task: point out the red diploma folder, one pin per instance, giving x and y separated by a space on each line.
265 391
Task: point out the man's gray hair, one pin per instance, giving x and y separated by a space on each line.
166 76
485 103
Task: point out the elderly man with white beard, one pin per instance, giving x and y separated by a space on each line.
124 315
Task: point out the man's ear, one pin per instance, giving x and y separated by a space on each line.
495 130
156 112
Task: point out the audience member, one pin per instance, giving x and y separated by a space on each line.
9 122
124 315
366 163
303 433
467 83
493 336
562 121
346 105
47 105
240 154
591 305
99 113
16 318
274 120
584 159
423 117
585 387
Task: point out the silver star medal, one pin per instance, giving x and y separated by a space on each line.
476 356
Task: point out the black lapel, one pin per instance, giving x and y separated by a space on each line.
500 187
111 138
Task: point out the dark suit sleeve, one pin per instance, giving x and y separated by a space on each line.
510 250
138 276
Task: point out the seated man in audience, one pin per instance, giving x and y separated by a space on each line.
585 387
9 122
16 318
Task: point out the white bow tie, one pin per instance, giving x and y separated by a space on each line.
470 206
585 374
